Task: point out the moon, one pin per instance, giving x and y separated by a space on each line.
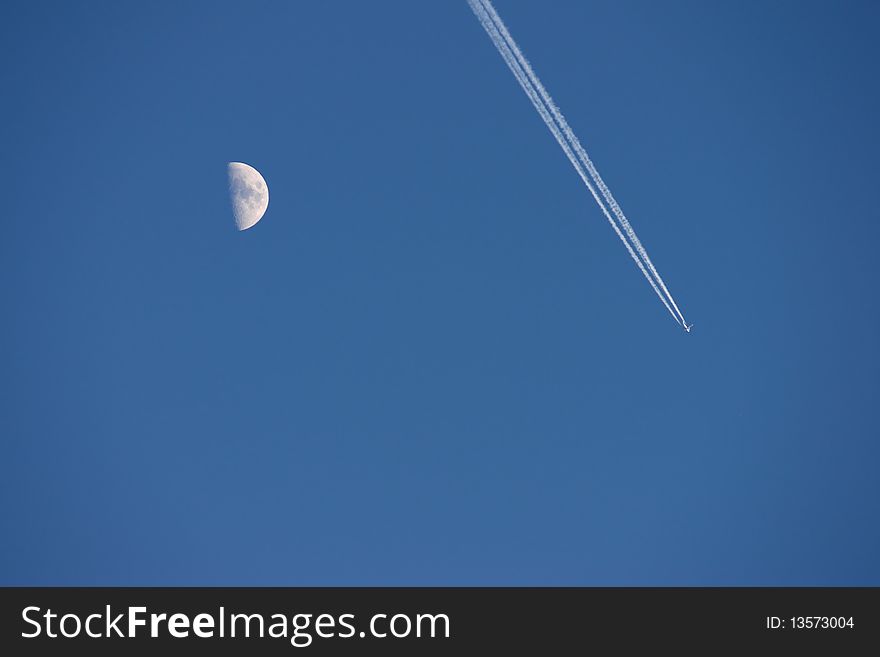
249 194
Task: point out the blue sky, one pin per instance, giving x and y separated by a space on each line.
432 361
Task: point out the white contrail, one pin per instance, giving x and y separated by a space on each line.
520 75
530 83
576 145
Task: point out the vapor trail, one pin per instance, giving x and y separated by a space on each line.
576 145
557 124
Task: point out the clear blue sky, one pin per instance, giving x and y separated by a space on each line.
432 361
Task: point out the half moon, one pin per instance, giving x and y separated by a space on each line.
249 194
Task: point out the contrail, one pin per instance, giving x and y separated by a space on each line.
520 75
542 101
576 145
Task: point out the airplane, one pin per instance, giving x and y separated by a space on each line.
688 328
